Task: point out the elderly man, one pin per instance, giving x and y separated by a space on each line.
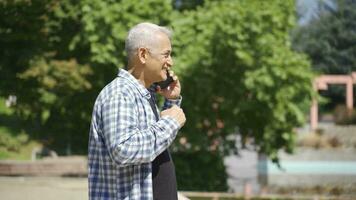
128 142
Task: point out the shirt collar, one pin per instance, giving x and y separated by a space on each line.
141 89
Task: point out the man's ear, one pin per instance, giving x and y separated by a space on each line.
142 54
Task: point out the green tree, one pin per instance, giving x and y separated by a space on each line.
36 66
240 76
330 39
99 43
60 54
330 42
21 38
234 58
182 5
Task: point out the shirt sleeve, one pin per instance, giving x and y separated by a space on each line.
170 102
125 142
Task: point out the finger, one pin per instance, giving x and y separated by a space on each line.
175 78
166 89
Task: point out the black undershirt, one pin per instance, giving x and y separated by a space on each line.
163 171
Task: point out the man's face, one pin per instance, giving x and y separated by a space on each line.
159 59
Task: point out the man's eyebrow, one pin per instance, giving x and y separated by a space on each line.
168 51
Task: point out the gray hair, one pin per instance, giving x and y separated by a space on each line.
143 35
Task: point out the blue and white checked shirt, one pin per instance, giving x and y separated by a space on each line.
124 139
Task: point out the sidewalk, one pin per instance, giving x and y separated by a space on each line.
43 188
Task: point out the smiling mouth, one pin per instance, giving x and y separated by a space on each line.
165 70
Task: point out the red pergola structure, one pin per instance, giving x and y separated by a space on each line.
321 83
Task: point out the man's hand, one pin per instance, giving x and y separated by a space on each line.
173 90
175 112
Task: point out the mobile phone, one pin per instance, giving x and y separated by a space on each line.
164 84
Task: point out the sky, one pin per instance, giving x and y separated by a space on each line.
309 9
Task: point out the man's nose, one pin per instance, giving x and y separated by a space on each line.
170 61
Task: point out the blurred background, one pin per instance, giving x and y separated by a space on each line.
250 71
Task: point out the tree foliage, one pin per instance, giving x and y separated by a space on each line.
241 76
330 43
60 54
234 58
330 39
21 38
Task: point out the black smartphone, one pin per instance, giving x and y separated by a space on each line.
164 84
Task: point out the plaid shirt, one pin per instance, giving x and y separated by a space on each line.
124 139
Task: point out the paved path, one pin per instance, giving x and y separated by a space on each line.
46 188
43 188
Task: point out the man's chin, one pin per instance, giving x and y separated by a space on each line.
160 79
